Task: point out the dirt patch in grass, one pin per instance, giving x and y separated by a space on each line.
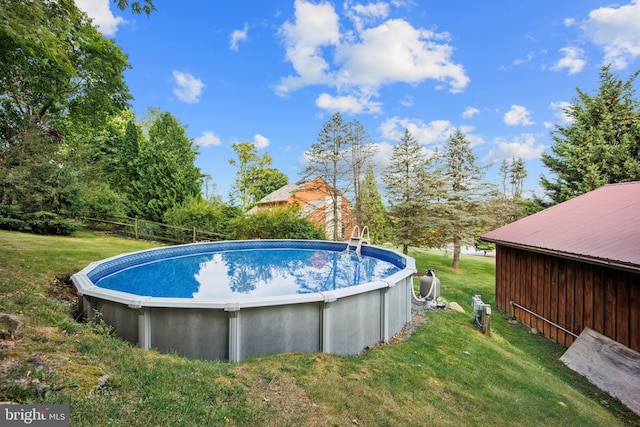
63 289
282 394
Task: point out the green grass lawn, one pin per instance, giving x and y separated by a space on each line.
447 373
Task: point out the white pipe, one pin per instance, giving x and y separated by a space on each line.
423 299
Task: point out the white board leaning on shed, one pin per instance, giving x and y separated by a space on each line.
611 366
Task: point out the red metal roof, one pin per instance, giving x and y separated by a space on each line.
602 225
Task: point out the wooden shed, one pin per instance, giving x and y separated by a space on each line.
575 265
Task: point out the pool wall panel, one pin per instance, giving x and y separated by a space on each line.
399 312
354 323
279 329
193 333
123 319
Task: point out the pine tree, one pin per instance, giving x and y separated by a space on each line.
410 190
360 151
373 212
463 207
517 175
601 145
327 161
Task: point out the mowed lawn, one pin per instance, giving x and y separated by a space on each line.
446 373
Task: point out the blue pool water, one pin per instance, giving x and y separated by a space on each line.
248 273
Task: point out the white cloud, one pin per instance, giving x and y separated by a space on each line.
407 101
188 88
395 52
559 111
474 140
530 56
358 63
518 115
381 155
617 31
315 26
99 12
573 60
260 141
523 146
433 132
207 138
348 104
362 15
470 112
238 36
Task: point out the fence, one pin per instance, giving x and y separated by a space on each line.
148 230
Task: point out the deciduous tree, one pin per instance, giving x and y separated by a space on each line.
255 177
56 71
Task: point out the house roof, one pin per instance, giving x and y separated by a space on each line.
282 194
601 226
285 193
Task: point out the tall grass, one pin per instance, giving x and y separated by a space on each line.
447 373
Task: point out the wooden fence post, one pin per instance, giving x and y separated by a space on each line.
194 234
136 227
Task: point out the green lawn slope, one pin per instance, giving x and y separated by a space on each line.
446 373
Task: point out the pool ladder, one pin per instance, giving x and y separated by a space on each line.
358 239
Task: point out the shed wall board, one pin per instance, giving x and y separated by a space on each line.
570 293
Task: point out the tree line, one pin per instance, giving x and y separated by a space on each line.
70 145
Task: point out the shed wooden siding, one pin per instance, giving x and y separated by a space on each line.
569 293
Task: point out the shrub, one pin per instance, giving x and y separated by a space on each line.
283 223
208 215
101 198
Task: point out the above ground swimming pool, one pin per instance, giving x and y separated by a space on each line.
238 299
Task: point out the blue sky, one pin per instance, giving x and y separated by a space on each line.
272 72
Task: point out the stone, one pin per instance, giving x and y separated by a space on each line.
456 307
14 324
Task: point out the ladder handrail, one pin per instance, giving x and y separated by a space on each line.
357 239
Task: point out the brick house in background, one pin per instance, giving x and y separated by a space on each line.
315 203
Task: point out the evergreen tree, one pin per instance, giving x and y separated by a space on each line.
360 150
327 161
128 151
601 145
373 212
517 175
504 177
410 190
508 205
165 174
37 192
462 208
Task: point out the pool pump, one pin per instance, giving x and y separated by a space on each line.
430 285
